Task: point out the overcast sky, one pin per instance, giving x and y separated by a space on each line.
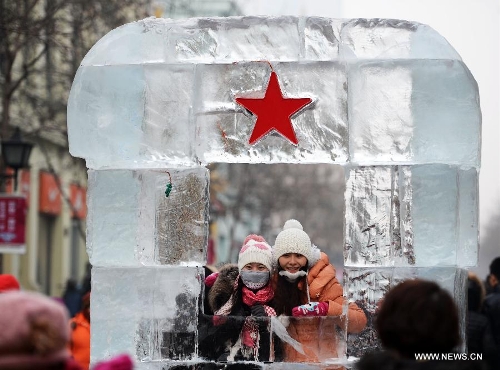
471 27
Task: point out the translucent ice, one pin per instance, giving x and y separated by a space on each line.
367 287
131 221
393 39
132 308
125 115
221 40
134 43
410 112
422 215
442 204
382 91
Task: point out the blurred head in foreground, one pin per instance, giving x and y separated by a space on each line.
35 332
418 316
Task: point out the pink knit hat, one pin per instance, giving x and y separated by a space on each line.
8 282
35 331
255 249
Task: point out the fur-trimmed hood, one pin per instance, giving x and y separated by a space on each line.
223 286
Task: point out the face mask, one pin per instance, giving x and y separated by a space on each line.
254 279
291 277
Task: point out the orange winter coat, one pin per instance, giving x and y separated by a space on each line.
318 334
80 340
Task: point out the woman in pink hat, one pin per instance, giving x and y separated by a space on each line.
240 299
34 334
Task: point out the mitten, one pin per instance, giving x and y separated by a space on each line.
311 309
258 310
210 279
122 362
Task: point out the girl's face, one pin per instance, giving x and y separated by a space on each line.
292 262
254 266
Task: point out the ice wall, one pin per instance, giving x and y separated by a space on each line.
153 102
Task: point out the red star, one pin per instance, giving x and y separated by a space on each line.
273 112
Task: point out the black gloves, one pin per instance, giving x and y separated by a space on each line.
258 310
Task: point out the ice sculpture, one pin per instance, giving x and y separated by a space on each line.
154 102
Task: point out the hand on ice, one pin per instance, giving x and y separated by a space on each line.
311 309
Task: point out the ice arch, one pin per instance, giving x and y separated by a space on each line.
392 102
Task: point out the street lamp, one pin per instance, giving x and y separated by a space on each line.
16 153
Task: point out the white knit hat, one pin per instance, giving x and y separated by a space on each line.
293 239
255 249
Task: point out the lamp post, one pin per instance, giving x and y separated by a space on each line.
16 153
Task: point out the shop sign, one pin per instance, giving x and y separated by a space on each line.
13 212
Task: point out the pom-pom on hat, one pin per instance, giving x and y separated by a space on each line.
35 331
293 239
8 282
255 249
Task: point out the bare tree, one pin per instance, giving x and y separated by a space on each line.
25 28
42 43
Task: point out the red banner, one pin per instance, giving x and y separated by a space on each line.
78 196
23 185
50 201
13 211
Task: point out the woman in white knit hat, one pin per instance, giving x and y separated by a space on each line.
305 286
239 297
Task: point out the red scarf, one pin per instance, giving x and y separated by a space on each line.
262 296
250 333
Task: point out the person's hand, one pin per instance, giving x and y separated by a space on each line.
311 309
258 310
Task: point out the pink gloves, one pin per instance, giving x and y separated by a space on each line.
311 309
210 279
122 362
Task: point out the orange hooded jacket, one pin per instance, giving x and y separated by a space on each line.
317 335
80 340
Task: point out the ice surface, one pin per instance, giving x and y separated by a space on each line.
125 115
369 192
407 92
321 38
131 222
444 213
423 215
224 40
182 219
393 39
166 132
367 287
106 108
321 129
411 111
133 43
112 219
133 308
468 217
